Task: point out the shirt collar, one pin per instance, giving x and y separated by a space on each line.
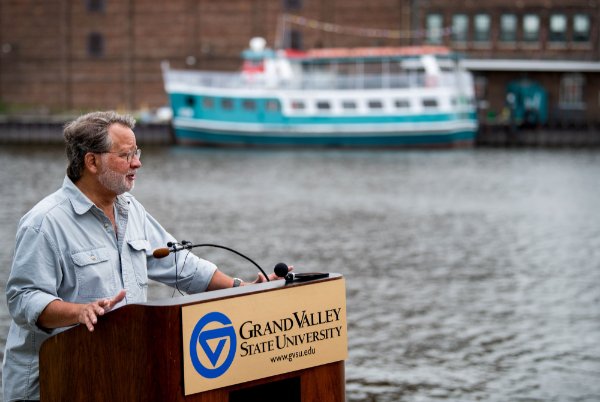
82 204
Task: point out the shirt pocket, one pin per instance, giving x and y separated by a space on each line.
95 273
139 251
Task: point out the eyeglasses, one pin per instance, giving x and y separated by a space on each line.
127 155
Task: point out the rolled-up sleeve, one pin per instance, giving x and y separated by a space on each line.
34 277
191 274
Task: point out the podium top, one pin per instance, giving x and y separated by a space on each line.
233 292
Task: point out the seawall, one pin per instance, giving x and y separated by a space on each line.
18 132
22 132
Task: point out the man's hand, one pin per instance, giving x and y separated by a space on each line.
272 277
89 313
60 313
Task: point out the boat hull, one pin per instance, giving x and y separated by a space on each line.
297 137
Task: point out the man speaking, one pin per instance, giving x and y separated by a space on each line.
87 248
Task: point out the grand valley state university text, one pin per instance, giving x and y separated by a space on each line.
298 320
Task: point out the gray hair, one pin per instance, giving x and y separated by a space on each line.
89 133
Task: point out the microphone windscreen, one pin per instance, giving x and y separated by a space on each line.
281 269
161 252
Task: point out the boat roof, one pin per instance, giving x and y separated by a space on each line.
365 53
351 54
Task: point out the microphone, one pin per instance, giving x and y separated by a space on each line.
187 245
281 269
172 247
161 252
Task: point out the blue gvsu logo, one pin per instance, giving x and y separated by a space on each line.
208 345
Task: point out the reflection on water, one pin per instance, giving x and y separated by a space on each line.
471 275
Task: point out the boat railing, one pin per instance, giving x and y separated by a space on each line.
322 81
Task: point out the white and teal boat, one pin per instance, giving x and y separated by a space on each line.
362 97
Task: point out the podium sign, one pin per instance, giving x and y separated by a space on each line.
241 339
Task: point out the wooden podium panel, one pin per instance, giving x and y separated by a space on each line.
136 354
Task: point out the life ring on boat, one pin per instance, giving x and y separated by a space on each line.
251 69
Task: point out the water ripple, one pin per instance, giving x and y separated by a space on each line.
471 275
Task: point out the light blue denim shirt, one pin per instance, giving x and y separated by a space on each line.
66 249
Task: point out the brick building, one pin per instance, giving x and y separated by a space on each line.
87 54
554 43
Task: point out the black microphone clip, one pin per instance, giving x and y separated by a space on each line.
306 276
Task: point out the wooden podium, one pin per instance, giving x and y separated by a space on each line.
266 342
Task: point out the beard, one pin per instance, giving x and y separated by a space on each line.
115 182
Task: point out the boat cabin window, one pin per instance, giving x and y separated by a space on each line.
272 105
402 104
375 104
430 103
323 105
348 105
249 104
208 103
189 101
226 104
298 105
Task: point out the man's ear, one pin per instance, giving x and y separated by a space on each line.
91 162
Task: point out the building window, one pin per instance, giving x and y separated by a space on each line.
558 28
531 28
508 28
571 91
94 6
95 44
480 84
460 28
581 28
481 25
292 5
434 29
296 39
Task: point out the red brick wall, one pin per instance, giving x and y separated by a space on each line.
44 60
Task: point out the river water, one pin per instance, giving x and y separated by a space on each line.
471 274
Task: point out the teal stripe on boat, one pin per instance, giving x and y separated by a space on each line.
367 139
